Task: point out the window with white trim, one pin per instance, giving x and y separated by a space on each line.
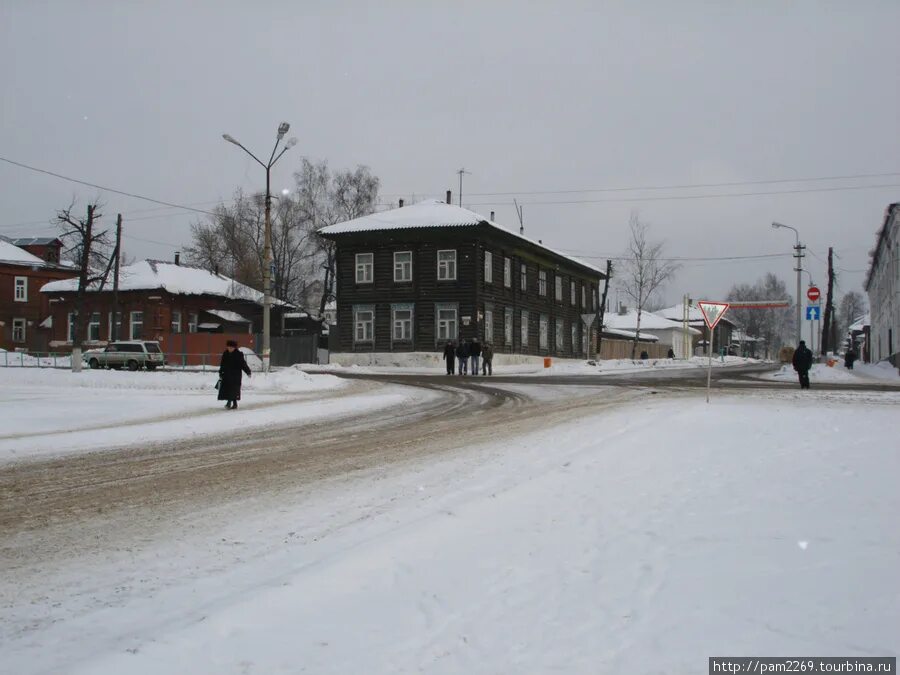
523 277
560 332
446 265
572 292
542 282
583 299
18 330
403 266
488 267
508 325
401 323
558 288
70 329
109 326
544 332
445 316
507 272
576 350
175 326
137 325
192 322
363 323
489 325
365 268
21 294
524 328
93 333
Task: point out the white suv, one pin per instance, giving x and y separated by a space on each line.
131 354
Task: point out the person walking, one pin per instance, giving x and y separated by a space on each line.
487 359
450 356
231 368
462 355
802 362
849 358
475 355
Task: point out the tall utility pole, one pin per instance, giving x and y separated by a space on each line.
267 253
461 172
114 328
601 308
828 320
685 327
798 254
519 212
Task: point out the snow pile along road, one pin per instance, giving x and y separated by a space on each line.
862 372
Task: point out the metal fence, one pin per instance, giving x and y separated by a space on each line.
35 360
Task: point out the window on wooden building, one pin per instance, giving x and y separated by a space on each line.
403 266
508 325
507 272
402 322
488 267
117 334
524 328
21 294
446 319
572 292
558 288
488 324
560 332
523 277
542 282
446 265
576 349
363 323
544 332
583 302
93 333
192 323
175 326
364 268
137 325
18 330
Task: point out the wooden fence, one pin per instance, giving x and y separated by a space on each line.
621 349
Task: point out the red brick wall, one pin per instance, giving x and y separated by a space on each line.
195 349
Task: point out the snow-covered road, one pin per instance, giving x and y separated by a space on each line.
639 539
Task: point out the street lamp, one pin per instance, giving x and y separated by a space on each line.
798 248
283 128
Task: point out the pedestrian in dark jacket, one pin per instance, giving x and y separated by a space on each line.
802 361
462 355
849 359
231 367
487 359
450 356
475 354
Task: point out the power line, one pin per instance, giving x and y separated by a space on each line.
679 258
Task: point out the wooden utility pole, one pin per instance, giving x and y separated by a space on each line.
114 328
83 281
601 310
826 339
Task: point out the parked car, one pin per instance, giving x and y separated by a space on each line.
131 354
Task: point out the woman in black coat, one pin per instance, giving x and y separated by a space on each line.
231 367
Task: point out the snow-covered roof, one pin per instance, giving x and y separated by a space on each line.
649 321
208 326
176 279
10 253
649 337
432 213
859 325
226 315
35 241
695 316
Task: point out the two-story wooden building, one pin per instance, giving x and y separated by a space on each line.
412 278
23 309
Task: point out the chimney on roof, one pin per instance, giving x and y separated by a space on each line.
492 215
401 203
449 196
177 257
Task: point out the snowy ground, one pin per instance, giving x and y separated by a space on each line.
882 373
642 540
48 411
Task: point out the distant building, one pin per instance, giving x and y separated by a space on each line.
883 287
723 335
665 332
46 248
412 278
24 311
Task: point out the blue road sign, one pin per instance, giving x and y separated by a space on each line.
812 312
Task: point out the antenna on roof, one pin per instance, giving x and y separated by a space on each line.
461 172
519 210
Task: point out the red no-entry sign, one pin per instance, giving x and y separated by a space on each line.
813 293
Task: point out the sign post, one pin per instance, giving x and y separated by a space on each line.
712 313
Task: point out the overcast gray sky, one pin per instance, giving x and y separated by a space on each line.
541 96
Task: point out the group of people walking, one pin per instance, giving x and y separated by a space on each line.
469 353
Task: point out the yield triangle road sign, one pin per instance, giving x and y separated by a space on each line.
588 319
712 311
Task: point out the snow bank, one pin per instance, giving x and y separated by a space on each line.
821 372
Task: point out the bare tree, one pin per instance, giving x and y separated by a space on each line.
774 325
852 306
645 271
89 249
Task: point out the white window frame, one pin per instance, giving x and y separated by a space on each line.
446 264
575 349
572 291
193 319
523 328
132 323
560 334
488 267
446 327
542 282
93 327
70 327
523 277
19 325
21 289
363 317
403 271
489 325
406 324
175 323
583 296
558 285
544 332
109 326
365 268
507 272
508 325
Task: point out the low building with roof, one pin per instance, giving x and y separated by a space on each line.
653 328
722 337
23 309
413 278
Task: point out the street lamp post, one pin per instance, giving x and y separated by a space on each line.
798 254
267 252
